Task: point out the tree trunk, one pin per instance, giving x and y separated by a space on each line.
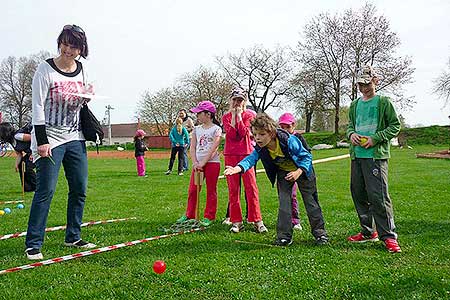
336 115
308 122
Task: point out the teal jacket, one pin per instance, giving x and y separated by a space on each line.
388 127
176 138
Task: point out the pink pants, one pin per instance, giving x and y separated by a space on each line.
211 174
234 192
140 163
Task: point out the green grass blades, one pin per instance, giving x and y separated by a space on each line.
210 264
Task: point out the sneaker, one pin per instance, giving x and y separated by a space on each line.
237 227
180 174
360 238
297 227
168 172
260 227
282 242
248 222
392 246
206 222
227 222
34 254
80 244
182 219
322 240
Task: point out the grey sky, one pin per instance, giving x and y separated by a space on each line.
140 45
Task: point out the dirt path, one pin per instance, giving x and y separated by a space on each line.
128 154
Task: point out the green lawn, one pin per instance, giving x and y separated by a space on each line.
210 265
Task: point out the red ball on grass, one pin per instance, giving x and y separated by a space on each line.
159 266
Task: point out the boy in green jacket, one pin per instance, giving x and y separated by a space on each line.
373 122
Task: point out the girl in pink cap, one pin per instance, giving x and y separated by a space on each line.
205 158
238 145
139 151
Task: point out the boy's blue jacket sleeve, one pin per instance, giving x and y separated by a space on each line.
301 157
249 161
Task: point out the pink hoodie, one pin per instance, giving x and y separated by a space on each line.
238 140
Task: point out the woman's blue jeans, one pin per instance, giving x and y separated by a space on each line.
72 156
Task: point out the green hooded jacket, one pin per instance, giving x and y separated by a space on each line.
388 127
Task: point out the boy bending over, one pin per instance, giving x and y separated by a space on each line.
285 161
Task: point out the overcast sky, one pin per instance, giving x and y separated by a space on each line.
146 45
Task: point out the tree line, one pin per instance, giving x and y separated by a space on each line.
317 78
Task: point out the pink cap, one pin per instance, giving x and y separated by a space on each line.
286 118
140 132
204 106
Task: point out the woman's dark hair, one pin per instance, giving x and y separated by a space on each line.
74 35
7 132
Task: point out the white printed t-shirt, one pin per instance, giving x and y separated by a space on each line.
205 140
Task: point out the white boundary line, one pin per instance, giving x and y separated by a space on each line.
18 234
317 161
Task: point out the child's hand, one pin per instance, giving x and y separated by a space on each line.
229 170
294 175
355 139
366 142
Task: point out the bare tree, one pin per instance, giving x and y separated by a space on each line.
371 41
16 76
159 109
206 84
308 94
337 46
442 85
324 51
264 73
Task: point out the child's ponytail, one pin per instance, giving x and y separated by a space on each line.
179 123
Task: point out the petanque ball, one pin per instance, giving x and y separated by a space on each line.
20 206
7 210
2 212
159 266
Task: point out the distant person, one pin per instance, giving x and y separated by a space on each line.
205 158
188 123
57 139
373 122
179 138
238 145
139 152
20 140
285 160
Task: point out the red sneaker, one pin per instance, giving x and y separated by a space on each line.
392 245
360 238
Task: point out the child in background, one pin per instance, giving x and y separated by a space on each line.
20 140
205 158
287 122
179 137
139 151
238 145
285 161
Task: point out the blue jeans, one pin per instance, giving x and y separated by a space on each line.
186 161
72 156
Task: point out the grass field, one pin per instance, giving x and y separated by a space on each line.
211 265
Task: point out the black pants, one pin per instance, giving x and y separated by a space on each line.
180 151
308 189
29 179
